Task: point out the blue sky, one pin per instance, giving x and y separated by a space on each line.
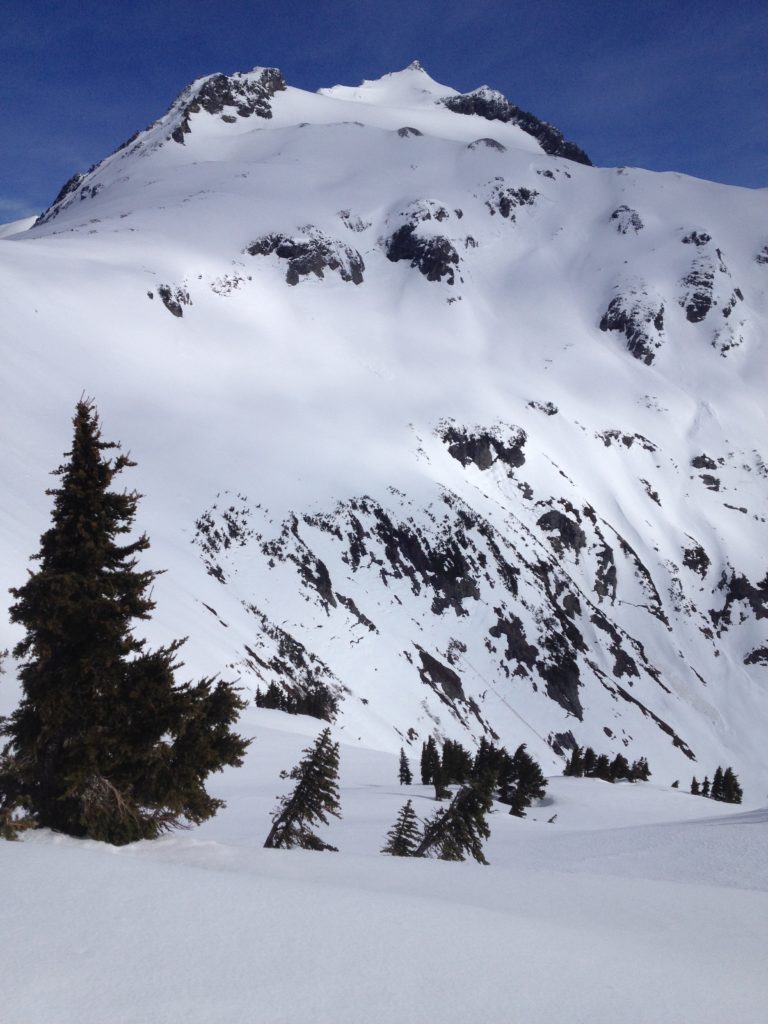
675 85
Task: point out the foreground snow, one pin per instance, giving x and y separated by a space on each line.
634 906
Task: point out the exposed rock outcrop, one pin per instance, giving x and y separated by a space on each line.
312 253
246 95
494 106
626 220
638 314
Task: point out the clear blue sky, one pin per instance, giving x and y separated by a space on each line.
664 84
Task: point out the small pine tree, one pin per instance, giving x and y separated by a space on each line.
717 791
695 788
430 759
403 837
640 770
705 787
315 797
104 744
405 774
459 829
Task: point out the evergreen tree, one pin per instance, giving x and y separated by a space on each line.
602 769
717 791
695 789
521 782
620 769
575 764
640 770
104 744
456 763
439 782
405 774
732 792
403 837
589 763
315 796
490 760
459 829
705 787
430 759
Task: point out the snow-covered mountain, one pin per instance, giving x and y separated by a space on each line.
430 415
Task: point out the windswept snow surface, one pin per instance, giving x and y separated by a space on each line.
639 905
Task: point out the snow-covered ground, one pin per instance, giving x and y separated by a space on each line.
638 905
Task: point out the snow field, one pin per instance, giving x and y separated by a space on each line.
630 909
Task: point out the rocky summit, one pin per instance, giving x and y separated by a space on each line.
438 426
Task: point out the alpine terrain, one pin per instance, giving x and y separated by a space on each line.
441 431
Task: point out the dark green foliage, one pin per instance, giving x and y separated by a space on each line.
725 787
456 763
575 764
104 744
405 774
318 702
587 763
403 837
315 796
430 759
695 789
459 829
732 791
676 784
439 782
521 782
602 768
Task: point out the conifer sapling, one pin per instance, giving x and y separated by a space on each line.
403 837
315 796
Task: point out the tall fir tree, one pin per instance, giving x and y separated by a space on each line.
732 791
104 744
522 781
589 763
440 782
716 793
456 762
403 837
459 829
430 759
620 769
575 765
405 774
315 796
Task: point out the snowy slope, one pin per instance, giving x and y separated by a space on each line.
470 435
634 907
